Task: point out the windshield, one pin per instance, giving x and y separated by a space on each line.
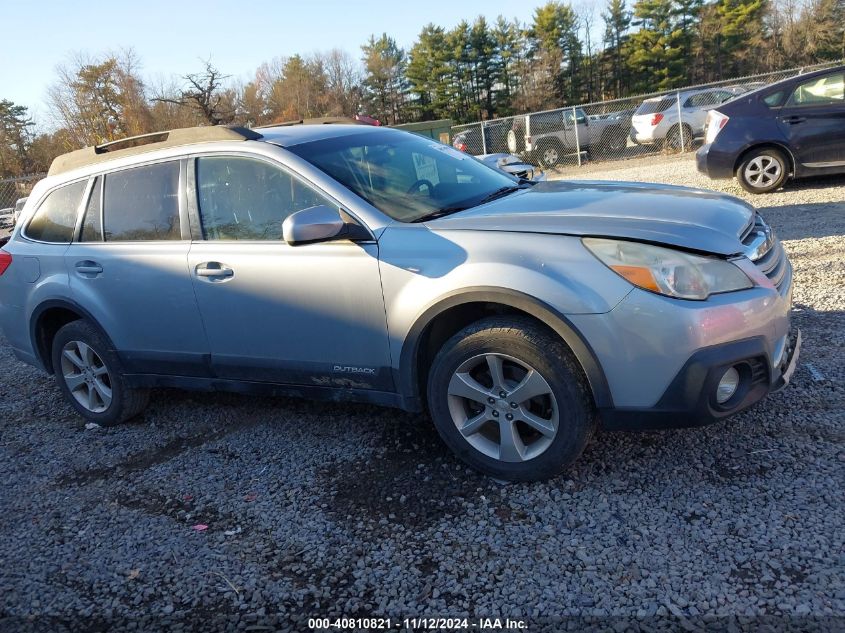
406 176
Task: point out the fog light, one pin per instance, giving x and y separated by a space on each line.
727 385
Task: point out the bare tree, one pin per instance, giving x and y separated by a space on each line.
203 91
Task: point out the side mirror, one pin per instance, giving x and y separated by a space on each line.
321 224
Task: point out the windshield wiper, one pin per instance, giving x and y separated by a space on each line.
502 191
440 213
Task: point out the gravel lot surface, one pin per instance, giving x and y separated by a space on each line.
316 509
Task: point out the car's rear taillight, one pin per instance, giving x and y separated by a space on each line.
5 261
657 118
715 122
461 146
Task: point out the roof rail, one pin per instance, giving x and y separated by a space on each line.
148 142
325 120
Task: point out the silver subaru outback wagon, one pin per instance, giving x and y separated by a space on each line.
349 262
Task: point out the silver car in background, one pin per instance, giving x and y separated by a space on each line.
658 121
370 264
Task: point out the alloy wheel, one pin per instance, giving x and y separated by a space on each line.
86 376
550 156
762 171
503 407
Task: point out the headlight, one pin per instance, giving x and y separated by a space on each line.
667 271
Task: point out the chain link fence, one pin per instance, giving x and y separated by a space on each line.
12 190
622 129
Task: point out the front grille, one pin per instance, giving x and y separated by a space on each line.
766 251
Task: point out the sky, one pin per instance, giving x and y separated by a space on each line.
171 37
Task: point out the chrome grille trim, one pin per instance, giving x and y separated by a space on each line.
766 251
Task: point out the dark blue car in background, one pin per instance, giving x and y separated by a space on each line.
793 128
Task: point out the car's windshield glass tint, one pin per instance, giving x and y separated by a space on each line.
652 107
142 203
822 90
56 217
773 99
408 177
247 199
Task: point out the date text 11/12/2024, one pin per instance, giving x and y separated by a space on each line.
416 624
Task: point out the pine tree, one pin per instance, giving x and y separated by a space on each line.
617 21
657 48
384 81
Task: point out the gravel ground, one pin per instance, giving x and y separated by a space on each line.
318 509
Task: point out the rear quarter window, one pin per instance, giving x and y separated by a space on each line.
653 107
142 204
774 99
55 219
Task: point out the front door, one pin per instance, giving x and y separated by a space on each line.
310 315
813 121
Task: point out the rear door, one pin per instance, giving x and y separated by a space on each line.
310 315
128 268
813 121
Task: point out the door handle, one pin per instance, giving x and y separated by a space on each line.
88 267
213 270
792 120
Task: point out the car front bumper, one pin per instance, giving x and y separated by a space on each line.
663 357
690 399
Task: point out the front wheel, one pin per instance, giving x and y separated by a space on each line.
550 155
510 400
89 375
762 170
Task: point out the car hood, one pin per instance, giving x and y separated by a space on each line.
678 216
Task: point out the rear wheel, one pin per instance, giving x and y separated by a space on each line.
550 154
679 139
762 170
90 376
612 142
510 400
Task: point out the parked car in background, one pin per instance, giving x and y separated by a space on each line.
795 127
513 165
547 137
371 264
469 140
658 122
18 208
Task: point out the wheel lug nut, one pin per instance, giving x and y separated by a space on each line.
491 400
495 414
502 394
514 405
509 416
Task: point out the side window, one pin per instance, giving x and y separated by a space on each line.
774 99
92 223
142 203
248 199
56 217
829 89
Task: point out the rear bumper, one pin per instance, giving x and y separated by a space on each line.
690 400
713 163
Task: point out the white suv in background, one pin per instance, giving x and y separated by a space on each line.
656 120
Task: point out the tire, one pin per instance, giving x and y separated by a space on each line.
549 154
613 141
81 352
763 170
560 406
513 142
673 139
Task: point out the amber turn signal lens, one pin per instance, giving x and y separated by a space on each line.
638 276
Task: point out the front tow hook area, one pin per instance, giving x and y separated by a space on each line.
791 362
